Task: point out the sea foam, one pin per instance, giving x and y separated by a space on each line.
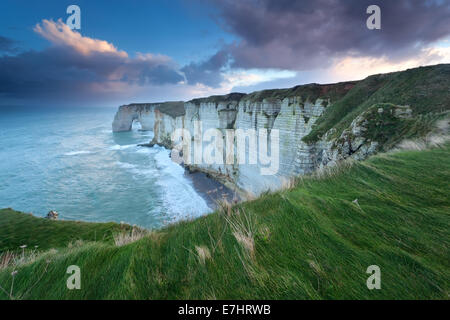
76 153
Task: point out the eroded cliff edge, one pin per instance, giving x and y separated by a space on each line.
318 125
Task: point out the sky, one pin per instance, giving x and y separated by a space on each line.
160 50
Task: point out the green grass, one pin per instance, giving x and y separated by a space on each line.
17 229
309 92
310 242
234 96
389 130
424 89
172 108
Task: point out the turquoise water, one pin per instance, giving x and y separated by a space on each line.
71 162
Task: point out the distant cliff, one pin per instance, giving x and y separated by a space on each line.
318 125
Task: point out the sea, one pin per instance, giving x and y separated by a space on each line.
70 161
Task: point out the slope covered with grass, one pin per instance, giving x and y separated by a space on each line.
314 241
425 90
17 229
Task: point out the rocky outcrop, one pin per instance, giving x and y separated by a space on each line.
368 133
52 215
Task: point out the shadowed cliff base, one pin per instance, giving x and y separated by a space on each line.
211 190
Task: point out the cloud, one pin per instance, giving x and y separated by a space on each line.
279 43
208 72
7 45
308 34
216 74
58 33
80 68
349 68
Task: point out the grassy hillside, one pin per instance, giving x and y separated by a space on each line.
425 90
17 229
313 241
308 92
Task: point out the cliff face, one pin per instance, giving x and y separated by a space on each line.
292 113
358 122
146 114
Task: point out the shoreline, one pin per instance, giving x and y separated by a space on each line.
210 188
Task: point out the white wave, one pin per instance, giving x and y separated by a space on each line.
146 150
137 171
126 165
123 147
179 196
149 134
75 153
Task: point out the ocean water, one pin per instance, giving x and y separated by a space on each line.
70 161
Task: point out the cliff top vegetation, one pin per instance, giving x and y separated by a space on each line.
313 240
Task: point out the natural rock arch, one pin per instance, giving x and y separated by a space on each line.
124 118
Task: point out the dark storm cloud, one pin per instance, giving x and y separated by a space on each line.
77 67
7 45
59 72
305 34
150 71
208 72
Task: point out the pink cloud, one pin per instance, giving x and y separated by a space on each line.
60 34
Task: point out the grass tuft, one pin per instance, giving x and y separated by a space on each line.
203 254
127 237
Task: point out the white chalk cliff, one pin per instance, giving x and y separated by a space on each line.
350 119
292 116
